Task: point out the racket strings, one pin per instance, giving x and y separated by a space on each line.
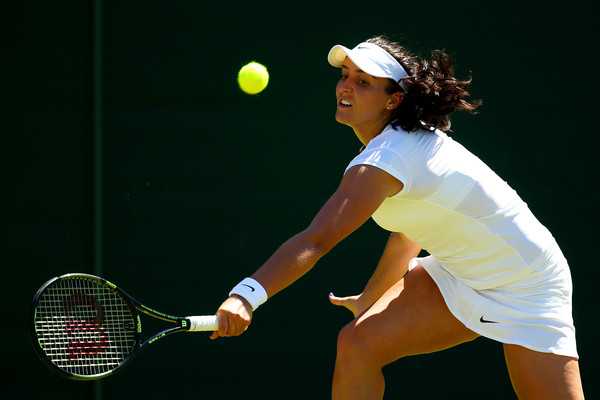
84 327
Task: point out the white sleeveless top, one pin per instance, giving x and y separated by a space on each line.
457 208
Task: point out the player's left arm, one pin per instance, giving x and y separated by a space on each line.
392 266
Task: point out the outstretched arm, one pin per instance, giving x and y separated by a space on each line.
361 192
392 266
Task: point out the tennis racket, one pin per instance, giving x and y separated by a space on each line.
84 327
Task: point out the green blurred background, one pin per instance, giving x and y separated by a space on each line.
199 182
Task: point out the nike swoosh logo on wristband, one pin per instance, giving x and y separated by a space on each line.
248 286
485 321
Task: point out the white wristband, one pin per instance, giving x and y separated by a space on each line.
252 291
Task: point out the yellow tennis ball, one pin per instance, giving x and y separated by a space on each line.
253 78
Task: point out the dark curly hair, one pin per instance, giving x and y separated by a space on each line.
432 92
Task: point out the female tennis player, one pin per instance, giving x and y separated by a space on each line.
494 270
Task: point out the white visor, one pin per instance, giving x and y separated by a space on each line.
371 59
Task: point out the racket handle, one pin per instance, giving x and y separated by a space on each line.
203 323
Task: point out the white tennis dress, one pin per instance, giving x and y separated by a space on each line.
499 269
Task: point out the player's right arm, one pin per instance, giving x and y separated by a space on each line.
361 192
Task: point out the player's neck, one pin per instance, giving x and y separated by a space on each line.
366 133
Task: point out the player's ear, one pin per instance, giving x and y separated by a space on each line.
394 100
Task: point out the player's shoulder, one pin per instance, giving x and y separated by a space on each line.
420 143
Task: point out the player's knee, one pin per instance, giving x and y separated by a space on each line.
354 345
346 341
359 344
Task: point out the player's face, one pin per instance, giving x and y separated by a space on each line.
362 101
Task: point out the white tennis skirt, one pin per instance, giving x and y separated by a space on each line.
534 312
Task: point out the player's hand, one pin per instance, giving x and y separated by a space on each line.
234 316
352 303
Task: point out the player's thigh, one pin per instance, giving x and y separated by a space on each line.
547 376
410 318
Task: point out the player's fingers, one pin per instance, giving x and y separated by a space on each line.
231 327
349 302
223 324
237 325
338 301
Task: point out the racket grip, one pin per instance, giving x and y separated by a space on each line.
203 323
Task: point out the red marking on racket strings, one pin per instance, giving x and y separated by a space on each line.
77 304
85 347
